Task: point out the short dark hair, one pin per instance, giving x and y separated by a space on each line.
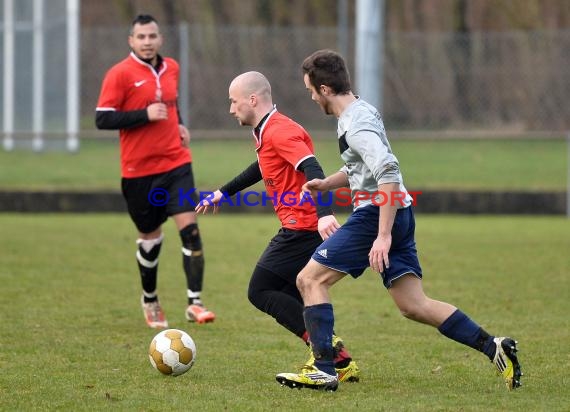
143 19
327 67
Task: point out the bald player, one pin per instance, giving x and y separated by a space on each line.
285 161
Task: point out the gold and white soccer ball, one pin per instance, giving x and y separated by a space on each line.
172 352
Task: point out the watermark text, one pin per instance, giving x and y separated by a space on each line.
342 197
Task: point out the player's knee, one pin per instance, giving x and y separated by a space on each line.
256 297
191 240
303 282
256 288
312 277
148 251
408 314
411 310
252 291
260 297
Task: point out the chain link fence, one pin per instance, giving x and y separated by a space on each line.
511 80
503 81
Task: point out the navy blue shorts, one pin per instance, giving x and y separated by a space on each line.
347 250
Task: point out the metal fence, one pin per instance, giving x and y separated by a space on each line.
39 72
514 81
53 56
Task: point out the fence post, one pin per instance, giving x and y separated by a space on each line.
38 76
8 79
370 51
184 77
73 35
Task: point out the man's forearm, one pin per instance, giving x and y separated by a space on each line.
337 180
387 209
113 120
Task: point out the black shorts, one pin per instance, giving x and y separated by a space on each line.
288 252
152 199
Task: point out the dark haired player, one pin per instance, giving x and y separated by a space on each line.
139 98
381 237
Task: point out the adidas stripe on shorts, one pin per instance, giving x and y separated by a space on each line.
347 250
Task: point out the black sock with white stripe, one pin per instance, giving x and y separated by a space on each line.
192 262
147 259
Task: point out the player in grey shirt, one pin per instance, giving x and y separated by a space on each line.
378 234
367 155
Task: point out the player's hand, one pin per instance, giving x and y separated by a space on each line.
212 200
156 112
378 255
314 186
327 226
184 135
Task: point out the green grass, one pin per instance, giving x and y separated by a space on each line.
535 165
73 338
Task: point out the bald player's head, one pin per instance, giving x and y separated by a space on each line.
252 83
250 98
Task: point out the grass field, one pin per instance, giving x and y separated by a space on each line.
535 165
73 337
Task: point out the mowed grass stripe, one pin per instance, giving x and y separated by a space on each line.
535 165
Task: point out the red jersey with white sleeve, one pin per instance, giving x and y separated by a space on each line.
154 147
282 145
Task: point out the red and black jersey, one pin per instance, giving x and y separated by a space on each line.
154 147
281 146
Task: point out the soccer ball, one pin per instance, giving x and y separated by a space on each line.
172 352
